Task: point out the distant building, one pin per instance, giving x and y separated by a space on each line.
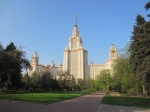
96 68
75 56
75 60
39 69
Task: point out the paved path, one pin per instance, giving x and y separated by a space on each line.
87 103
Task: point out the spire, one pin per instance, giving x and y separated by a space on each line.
52 64
75 21
75 32
35 54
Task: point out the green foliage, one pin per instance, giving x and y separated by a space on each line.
66 80
35 81
123 76
140 50
82 84
45 80
42 82
12 61
137 46
77 87
104 81
26 81
147 6
127 101
91 84
54 85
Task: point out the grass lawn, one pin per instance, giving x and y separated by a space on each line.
46 98
127 101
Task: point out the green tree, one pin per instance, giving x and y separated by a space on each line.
4 69
104 81
82 84
54 85
26 81
123 78
91 84
35 81
12 61
147 6
140 50
147 30
66 80
45 80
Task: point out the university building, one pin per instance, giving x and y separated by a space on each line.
75 60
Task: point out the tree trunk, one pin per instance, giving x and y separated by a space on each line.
144 91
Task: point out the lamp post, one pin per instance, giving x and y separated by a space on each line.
107 82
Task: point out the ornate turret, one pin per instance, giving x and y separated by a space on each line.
35 59
52 64
113 52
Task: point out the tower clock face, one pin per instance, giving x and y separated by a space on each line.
113 53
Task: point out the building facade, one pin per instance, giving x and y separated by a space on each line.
75 60
75 56
95 69
39 69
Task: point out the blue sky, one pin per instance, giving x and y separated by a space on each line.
45 25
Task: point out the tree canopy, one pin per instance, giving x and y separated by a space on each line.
140 49
12 62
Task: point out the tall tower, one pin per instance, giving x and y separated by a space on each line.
112 56
35 59
34 62
113 52
75 57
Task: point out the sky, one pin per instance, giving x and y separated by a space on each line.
45 26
